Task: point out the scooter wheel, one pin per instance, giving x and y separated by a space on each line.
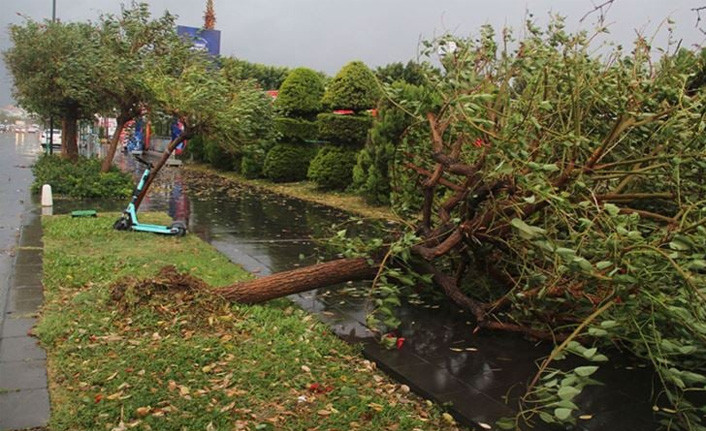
121 224
179 228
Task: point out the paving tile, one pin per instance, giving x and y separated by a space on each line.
24 409
387 358
27 277
20 349
23 375
25 307
29 257
473 407
17 327
428 381
26 294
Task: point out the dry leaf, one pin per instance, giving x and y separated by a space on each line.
306 369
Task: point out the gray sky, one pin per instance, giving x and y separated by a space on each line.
326 34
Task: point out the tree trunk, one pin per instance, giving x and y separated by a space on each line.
157 167
299 280
113 146
69 136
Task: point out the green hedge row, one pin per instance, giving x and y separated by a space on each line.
82 179
297 129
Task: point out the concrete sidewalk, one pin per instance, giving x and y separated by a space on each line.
24 398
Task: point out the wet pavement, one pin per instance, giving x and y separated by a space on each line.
24 398
480 377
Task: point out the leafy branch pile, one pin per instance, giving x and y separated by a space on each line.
562 197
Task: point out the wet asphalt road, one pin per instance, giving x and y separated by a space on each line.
17 153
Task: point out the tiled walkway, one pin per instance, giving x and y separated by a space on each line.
24 398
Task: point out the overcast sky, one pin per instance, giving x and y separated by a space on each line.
326 34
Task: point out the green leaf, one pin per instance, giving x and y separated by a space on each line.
586 370
612 209
589 353
604 264
562 413
568 392
526 231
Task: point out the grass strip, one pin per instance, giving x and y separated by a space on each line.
188 360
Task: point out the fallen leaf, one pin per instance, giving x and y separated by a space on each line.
450 419
143 411
306 369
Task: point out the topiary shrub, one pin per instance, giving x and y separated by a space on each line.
288 162
332 168
344 129
300 94
297 129
354 87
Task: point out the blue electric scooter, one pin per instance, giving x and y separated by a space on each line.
128 221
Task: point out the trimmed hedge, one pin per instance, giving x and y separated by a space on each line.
288 162
300 94
354 87
82 179
297 129
344 129
332 168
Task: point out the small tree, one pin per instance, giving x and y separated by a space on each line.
131 44
54 67
208 104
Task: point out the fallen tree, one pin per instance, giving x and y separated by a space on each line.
559 195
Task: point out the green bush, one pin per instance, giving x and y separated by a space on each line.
344 129
300 94
220 159
195 149
253 159
332 168
288 162
297 129
354 87
82 179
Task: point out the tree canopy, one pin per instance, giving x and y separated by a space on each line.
55 66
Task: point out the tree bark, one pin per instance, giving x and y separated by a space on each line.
299 280
113 146
69 136
157 167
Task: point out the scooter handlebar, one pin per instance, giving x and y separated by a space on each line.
143 161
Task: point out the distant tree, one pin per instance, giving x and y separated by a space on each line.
268 77
411 73
55 66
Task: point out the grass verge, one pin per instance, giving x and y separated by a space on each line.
188 360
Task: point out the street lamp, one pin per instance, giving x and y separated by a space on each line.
51 118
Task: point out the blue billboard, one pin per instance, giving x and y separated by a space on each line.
207 40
